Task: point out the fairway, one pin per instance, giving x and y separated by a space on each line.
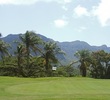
12 88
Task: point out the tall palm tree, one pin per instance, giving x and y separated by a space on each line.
50 51
3 49
20 52
31 40
84 58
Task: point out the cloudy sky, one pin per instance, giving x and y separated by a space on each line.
61 20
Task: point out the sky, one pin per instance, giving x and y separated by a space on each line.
61 20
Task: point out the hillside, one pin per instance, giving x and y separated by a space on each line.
71 47
68 47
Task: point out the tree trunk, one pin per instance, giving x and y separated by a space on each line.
47 65
20 69
28 63
83 70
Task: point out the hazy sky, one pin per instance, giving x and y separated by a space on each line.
61 20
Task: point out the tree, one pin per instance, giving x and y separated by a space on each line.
100 64
31 40
50 51
3 49
20 53
84 58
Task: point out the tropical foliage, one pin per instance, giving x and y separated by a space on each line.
30 40
100 64
84 58
50 51
3 49
34 57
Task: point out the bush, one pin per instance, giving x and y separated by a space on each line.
65 71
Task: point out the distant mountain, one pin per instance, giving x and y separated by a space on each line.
71 47
11 38
68 47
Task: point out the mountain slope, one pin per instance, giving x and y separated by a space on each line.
68 47
71 47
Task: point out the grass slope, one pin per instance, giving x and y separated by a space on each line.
12 88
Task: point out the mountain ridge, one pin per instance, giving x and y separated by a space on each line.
68 47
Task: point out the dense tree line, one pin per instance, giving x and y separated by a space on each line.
23 64
97 63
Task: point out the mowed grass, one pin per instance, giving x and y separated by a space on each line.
12 88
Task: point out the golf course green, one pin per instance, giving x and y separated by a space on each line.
54 88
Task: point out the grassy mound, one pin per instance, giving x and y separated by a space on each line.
12 88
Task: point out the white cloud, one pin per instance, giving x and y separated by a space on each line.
64 8
62 1
102 12
28 2
81 29
64 4
60 23
67 1
18 2
80 11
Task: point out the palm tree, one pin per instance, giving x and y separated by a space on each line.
84 58
100 64
31 40
3 49
21 51
50 51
